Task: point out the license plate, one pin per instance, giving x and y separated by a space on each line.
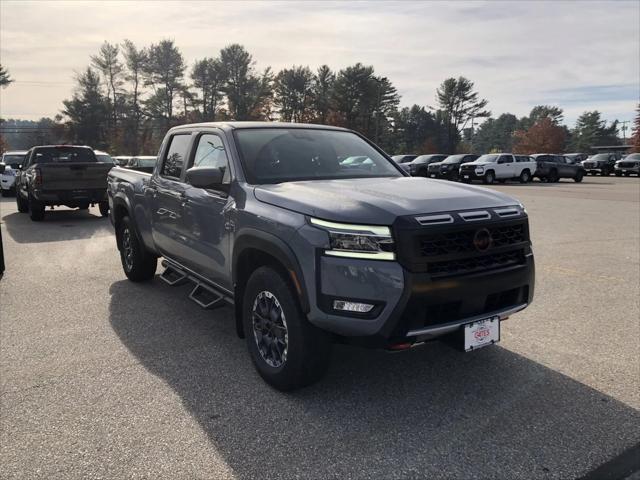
433 175
482 333
466 176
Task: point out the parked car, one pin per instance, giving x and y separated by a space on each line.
143 163
61 175
449 168
628 165
419 166
104 157
9 166
601 163
576 157
500 167
403 158
121 160
551 168
262 216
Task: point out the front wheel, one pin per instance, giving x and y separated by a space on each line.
578 177
138 263
618 174
489 177
104 208
287 350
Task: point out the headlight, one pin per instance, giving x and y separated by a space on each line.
444 167
479 169
358 241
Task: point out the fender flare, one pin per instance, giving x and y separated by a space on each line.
277 248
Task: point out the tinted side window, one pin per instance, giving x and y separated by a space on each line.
505 159
175 157
211 153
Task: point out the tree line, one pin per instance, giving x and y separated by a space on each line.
128 96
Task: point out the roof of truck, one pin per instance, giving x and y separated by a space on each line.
233 125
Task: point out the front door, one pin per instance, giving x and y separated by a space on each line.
208 220
506 167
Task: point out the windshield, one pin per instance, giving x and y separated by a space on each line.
428 158
403 158
63 155
600 156
454 158
275 155
633 156
487 159
13 160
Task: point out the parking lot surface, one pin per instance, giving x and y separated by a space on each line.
103 378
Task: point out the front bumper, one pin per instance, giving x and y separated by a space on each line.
413 307
7 182
634 170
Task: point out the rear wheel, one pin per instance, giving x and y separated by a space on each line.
104 208
489 177
553 176
287 350
36 210
23 205
138 263
525 176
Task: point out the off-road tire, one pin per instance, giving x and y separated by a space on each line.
525 176
22 204
138 263
489 177
36 210
308 349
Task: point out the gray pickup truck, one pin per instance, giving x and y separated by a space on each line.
265 217
67 175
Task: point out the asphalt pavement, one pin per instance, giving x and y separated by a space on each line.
103 378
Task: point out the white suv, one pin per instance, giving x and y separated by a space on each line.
499 166
9 165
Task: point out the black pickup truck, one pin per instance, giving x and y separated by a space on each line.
267 217
551 168
66 175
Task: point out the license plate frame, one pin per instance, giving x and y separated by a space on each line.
481 333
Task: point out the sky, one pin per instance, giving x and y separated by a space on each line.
576 55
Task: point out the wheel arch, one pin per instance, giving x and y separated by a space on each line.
254 249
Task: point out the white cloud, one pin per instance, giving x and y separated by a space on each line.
518 54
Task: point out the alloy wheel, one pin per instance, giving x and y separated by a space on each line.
270 329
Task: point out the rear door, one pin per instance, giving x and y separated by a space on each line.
167 191
207 213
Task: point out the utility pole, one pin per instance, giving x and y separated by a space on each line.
624 130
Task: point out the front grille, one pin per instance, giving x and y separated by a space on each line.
483 263
590 165
627 164
462 241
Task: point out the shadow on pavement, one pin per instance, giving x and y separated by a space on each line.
58 225
430 412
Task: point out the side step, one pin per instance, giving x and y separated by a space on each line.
173 277
206 297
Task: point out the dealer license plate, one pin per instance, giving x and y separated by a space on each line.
482 333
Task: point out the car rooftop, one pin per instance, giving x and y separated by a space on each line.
236 125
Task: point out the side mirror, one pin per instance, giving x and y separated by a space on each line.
204 177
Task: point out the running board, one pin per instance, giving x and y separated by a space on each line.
206 297
173 276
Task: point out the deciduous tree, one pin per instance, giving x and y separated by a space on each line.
543 137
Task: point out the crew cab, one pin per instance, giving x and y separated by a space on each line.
551 168
628 165
61 175
449 168
500 167
309 252
601 163
10 164
419 166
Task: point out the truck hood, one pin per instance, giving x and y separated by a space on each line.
377 201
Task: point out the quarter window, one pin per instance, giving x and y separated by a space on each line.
174 160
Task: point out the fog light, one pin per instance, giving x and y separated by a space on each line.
352 306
